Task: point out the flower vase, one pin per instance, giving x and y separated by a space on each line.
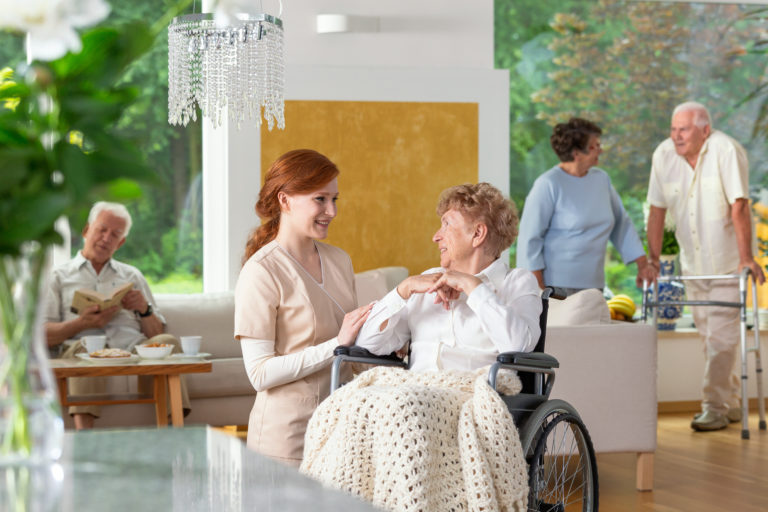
669 291
31 428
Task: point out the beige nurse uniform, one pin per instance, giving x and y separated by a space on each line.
277 299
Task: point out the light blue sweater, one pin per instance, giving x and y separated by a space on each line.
566 224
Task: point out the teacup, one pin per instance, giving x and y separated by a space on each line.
94 343
190 345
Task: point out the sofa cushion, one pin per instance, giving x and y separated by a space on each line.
227 378
370 285
582 308
210 315
393 275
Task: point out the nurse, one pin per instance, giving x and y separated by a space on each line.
295 302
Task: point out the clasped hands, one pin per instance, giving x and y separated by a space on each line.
447 286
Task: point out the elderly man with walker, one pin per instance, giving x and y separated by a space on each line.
700 176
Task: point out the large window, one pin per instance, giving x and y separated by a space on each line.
166 239
625 65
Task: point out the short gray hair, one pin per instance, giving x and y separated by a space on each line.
482 202
701 117
116 209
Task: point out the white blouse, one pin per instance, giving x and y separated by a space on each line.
500 315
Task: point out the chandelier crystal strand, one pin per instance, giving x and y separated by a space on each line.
239 67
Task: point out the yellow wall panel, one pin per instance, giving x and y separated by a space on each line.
395 158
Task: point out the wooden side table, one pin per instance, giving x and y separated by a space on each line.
166 376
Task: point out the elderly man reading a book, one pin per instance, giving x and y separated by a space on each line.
94 294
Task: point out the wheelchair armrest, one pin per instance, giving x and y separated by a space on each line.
534 359
355 354
531 363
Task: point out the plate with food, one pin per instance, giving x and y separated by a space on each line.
109 356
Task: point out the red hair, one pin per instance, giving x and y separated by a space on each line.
300 171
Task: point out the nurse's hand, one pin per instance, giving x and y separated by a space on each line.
351 325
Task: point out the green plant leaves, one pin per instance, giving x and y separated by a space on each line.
669 243
30 217
44 174
106 52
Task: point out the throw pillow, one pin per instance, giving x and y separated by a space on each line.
582 308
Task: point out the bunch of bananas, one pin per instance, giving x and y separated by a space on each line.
622 307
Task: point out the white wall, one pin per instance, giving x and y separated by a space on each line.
421 33
424 51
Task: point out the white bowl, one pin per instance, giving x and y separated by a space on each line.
160 352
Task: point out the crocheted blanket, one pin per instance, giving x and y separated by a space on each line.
411 441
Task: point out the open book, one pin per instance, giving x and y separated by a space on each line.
85 298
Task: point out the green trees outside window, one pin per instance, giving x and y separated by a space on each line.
166 240
625 65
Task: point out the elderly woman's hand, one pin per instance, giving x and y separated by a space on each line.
352 323
416 284
451 284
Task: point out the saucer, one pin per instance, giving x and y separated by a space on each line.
108 360
199 355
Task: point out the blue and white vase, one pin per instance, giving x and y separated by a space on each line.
669 291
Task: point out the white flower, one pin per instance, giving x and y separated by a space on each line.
51 23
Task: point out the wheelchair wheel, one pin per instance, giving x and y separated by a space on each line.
533 425
563 471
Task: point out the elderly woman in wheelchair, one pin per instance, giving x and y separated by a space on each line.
439 437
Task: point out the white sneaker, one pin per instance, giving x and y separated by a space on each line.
709 420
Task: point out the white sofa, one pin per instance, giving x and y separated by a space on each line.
608 373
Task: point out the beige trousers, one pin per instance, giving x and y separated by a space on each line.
719 330
81 386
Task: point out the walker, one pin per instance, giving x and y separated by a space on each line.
742 305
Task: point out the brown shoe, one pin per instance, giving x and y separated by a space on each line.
709 420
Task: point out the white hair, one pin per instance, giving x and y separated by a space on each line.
701 117
116 209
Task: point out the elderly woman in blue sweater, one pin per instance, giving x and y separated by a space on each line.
570 214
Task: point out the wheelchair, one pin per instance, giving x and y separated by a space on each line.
562 470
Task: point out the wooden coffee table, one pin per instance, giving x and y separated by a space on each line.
166 376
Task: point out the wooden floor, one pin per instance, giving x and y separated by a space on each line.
694 471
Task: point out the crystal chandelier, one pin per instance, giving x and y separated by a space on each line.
239 66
